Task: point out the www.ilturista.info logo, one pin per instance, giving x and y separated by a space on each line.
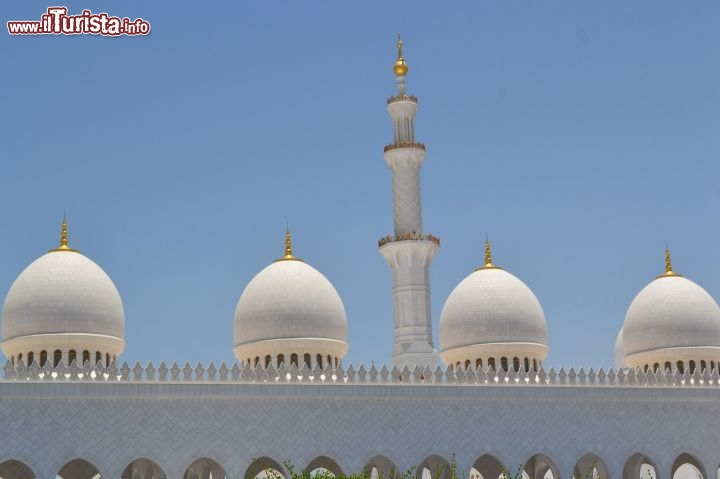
57 22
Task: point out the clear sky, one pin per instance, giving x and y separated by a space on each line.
580 136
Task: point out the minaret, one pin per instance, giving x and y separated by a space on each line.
408 252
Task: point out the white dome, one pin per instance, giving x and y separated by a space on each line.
290 308
671 312
63 301
492 311
620 351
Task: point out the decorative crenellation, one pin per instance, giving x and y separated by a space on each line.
409 237
402 97
245 373
404 144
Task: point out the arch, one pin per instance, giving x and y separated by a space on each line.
204 468
639 466
268 360
43 357
436 467
488 466
265 467
319 360
590 466
98 357
143 468
79 469
504 363
72 356
307 360
281 359
324 462
538 466
384 468
13 469
685 465
294 359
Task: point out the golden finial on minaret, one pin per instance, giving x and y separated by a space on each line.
668 265
288 247
64 238
400 68
488 257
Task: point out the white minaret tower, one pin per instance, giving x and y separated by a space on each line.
408 252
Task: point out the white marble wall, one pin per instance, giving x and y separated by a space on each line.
110 424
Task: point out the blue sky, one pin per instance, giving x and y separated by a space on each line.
581 137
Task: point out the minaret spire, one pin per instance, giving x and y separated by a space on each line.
400 68
409 252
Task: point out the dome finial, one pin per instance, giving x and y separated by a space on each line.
488 257
400 68
668 265
64 246
288 247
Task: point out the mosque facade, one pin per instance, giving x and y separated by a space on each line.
478 404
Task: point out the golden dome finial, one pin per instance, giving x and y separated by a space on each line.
488 257
64 246
668 265
288 247
288 242
400 68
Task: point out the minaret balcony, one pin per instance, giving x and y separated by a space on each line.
408 237
397 98
404 144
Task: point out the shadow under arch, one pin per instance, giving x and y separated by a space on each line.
385 467
324 462
488 466
263 464
634 465
437 467
79 469
590 466
204 468
539 465
143 468
689 459
13 469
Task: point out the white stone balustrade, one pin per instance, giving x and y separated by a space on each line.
237 373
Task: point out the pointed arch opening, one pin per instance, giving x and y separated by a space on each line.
540 466
487 467
639 466
433 467
79 469
205 468
687 466
13 469
143 468
381 467
590 466
265 468
322 465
